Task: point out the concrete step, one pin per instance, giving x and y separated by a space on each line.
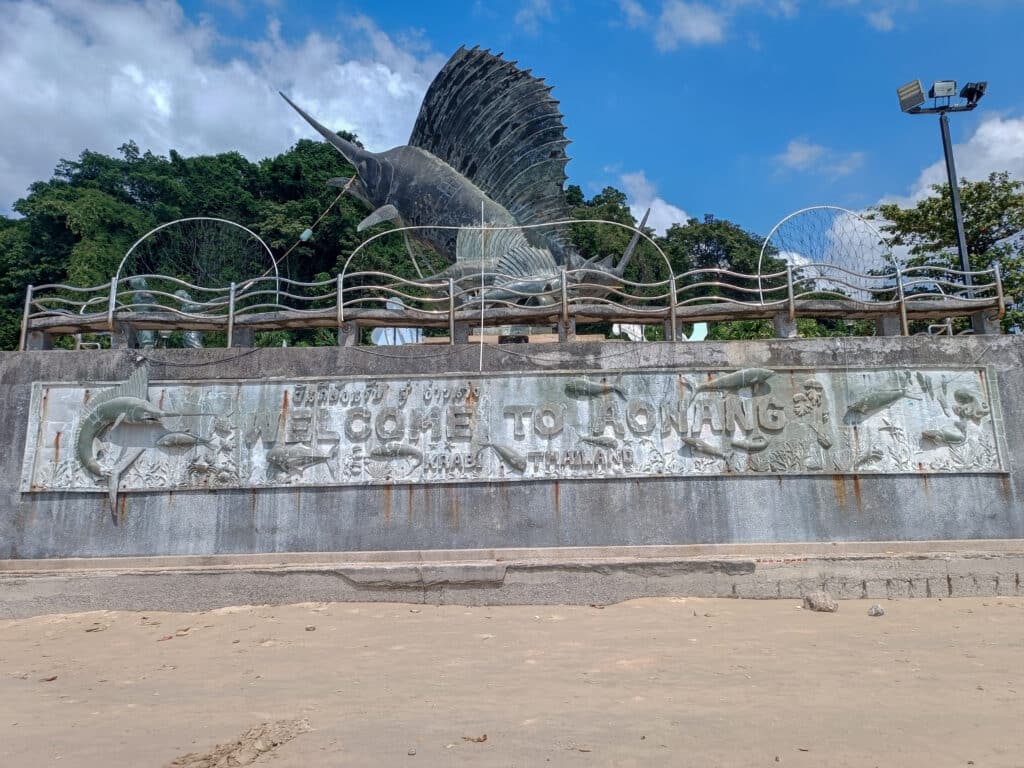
602 575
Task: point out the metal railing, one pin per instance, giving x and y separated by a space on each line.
369 298
564 296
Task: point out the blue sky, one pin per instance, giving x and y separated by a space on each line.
746 109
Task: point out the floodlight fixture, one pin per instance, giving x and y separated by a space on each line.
911 95
972 92
942 89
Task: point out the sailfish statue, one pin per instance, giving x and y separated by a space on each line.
488 147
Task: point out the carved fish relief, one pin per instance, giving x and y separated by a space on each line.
745 377
702 446
877 400
585 388
396 450
127 402
944 436
114 478
510 456
601 441
296 458
181 440
751 444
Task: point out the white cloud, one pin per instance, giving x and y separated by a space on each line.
699 23
881 20
794 258
92 74
800 154
996 145
690 23
532 13
807 157
787 8
642 194
635 14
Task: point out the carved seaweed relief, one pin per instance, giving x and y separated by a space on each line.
349 431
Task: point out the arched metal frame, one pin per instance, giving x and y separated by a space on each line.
270 254
768 239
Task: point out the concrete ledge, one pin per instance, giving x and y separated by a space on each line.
563 576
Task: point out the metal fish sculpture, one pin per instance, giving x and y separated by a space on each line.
730 382
296 458
510 456
585 388
128 402
877 399
488 148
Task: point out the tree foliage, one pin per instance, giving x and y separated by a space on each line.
993 213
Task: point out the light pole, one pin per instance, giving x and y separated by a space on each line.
942 94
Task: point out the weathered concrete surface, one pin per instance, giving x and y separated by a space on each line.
496 577
601 513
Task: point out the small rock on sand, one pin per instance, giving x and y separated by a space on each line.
821 601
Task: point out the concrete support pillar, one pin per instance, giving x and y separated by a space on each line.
461 333
985 323
242 337
37 340
348 334
122 337
567 331
784 327
888 325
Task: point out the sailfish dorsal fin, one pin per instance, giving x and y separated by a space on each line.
499 127
136 385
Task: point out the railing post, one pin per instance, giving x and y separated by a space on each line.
673 309
451 310
231 315
790 291
24 319
565 301
904 327
111 304
339 305
999 290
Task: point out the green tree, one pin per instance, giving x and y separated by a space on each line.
993 212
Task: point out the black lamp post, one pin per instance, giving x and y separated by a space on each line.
942 94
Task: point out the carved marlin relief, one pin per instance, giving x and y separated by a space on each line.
487 148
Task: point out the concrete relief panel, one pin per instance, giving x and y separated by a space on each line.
138 435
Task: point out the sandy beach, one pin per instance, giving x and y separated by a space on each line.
674 682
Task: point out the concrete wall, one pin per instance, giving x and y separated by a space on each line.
525 514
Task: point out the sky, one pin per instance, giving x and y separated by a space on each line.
745 109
